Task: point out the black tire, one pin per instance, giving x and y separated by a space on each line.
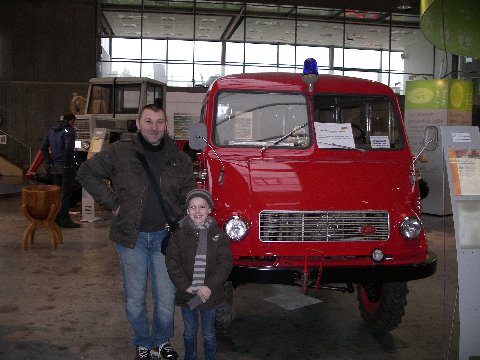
382 305
224 312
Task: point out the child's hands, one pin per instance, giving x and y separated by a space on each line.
204 292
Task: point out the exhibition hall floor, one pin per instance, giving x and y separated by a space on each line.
68 304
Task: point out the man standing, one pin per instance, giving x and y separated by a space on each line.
58 150
138 222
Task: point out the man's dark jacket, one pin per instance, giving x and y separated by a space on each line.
58 147
129 184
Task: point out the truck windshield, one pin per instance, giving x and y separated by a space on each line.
361 122
260 119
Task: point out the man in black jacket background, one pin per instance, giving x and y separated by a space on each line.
58 149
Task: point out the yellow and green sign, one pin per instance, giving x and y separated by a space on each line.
439 94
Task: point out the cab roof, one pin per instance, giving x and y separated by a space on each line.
278 81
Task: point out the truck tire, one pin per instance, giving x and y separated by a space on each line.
382 305
224 312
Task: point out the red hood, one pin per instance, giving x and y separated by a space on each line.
253 185
320 185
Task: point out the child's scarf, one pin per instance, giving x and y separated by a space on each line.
200 260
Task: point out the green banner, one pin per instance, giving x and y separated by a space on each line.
452 25
439 94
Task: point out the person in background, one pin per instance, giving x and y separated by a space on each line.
58 149
138 225
199 262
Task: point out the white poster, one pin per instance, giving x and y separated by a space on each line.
334 135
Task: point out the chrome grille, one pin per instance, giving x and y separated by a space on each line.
82 128
278 226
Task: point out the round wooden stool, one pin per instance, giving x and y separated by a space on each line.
40 204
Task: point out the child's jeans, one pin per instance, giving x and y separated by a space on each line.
190 323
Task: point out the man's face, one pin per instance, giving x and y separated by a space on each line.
152 125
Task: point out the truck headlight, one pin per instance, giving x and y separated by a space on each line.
236 228
410 228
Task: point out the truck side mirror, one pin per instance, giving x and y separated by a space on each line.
430 138
197 136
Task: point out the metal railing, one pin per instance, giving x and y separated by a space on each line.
15 151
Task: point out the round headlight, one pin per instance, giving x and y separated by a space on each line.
86 145
410 228
236 228
377 255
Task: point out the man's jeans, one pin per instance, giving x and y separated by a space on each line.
135 264
190 323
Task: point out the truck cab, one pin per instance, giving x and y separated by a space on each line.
315 184
114 103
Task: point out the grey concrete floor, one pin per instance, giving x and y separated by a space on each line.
68 304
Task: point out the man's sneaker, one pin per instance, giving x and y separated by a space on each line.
142 353
166 352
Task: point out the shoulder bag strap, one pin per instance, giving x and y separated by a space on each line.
154 184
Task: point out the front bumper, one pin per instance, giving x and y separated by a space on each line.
340 274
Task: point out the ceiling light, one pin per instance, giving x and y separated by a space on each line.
404 5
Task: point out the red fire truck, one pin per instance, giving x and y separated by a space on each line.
314 182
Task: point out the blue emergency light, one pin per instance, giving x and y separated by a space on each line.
310 66
310 73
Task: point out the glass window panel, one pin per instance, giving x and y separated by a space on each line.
124 68
288 69
179 74
368 116
363 75
179 50
396 81
234 53
396 61
208 51
286 54
106 45
229 70
147 70
321 54
260 54
257 119
338 57
205 73
126 48
256 69
362 59
154 49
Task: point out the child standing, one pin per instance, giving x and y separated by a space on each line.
199 262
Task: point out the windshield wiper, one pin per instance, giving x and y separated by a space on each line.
341 146
296 128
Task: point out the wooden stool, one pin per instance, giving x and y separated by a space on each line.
40 204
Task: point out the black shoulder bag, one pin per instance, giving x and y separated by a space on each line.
170 226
